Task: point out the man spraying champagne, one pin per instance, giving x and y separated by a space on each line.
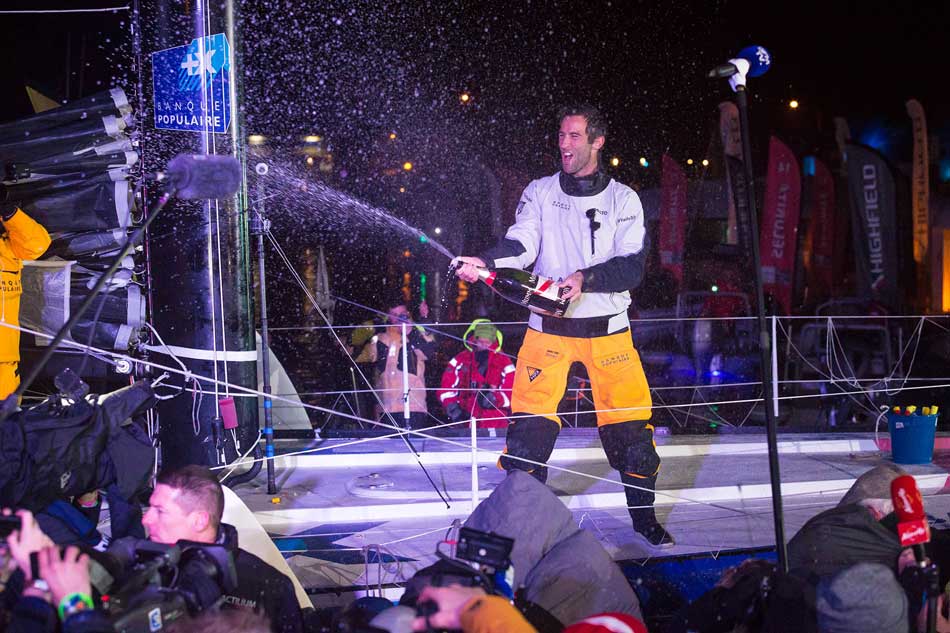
587 230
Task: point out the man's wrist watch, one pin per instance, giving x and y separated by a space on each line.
40 584
38 588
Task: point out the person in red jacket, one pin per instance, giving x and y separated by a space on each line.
477 382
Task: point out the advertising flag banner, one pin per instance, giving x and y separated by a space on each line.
672 217
735 172
778 235
921 181
920 193
729 134
874 224
822 231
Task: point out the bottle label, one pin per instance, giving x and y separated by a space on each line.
544 296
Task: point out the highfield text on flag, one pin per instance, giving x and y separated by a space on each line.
874 226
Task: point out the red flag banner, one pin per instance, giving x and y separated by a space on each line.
672 217
822 229
780 224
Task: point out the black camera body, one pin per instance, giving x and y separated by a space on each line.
160 583
485 548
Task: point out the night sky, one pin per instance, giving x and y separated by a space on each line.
350 68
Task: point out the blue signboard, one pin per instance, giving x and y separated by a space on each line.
192 86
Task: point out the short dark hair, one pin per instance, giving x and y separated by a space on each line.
596 123
199 490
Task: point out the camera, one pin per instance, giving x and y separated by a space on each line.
482 559
484 548
156 584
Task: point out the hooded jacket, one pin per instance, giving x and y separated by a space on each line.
479 383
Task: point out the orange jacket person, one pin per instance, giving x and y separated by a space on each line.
22 238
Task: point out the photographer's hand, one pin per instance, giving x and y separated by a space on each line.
450 600
67 574
28 539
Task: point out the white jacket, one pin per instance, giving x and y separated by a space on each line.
554 230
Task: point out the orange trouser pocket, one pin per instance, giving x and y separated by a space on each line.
541 375
617 381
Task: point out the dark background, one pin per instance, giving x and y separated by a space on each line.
349 69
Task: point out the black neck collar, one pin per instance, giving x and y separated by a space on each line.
585 185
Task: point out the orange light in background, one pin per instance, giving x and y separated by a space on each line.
407 166
407 253
689 161
793 104
465 97
946 270
705 162
402 190
463 293
310 160
392 136
406 278
615 162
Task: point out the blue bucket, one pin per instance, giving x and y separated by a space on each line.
912 438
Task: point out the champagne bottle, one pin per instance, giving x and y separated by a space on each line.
538 294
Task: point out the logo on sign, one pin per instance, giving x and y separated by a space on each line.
155 619
192 86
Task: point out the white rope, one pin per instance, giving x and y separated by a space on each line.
399 431
247 390
929 317
316 306
420 432
238 461
833 344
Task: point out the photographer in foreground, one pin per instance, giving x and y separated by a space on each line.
60 590
187 505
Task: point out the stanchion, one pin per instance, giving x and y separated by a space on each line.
765 344
259 225
474 436
406 413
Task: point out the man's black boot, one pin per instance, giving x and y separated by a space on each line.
640 504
